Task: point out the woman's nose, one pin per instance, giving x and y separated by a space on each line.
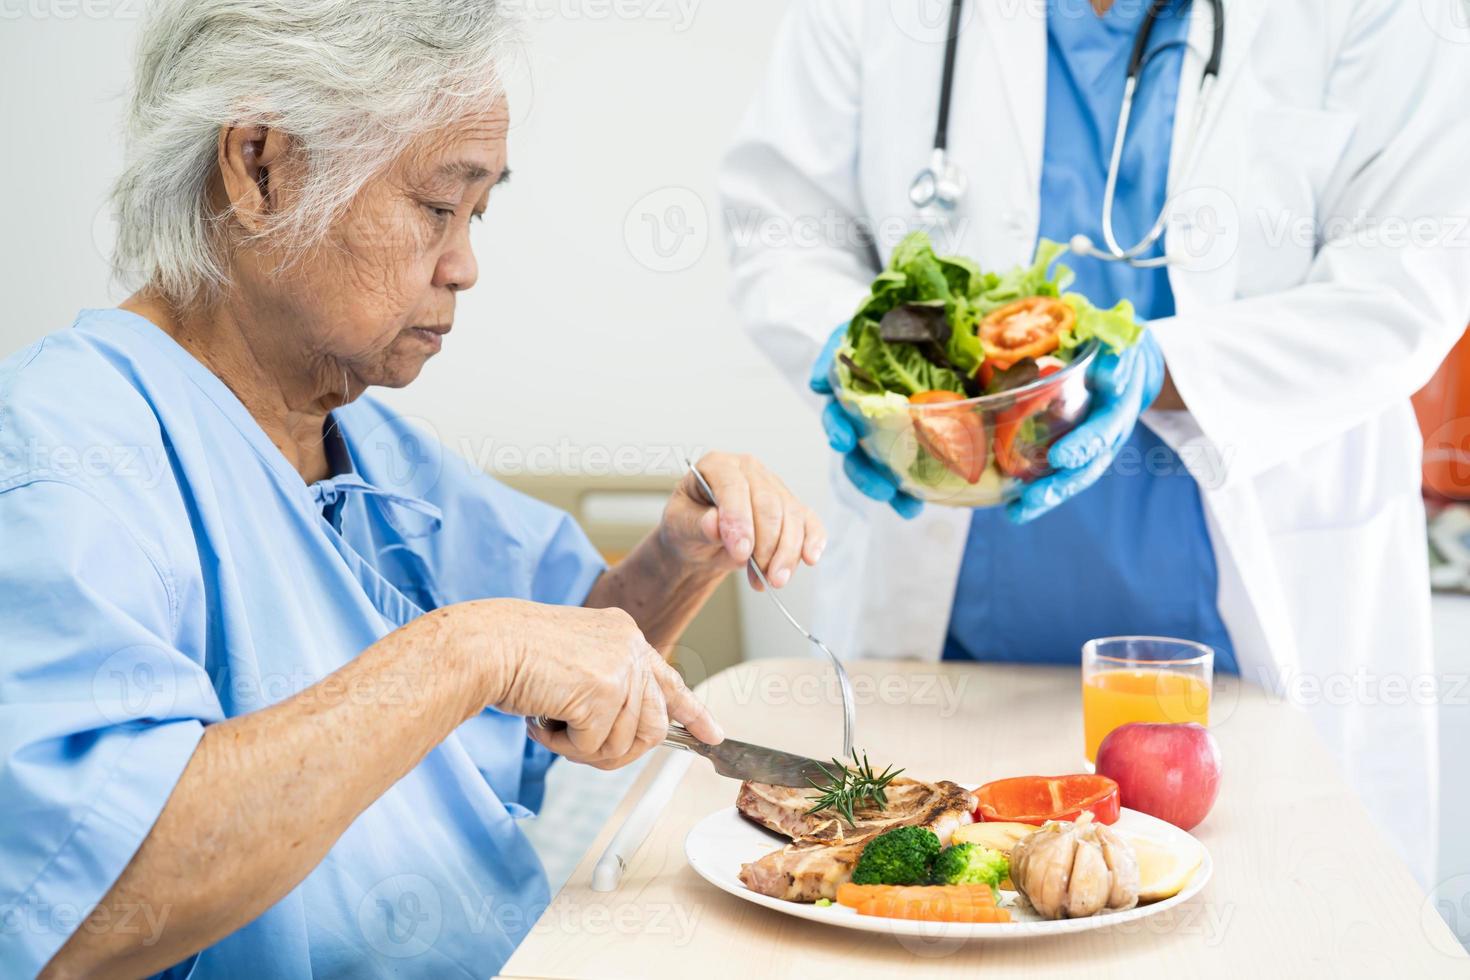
457 268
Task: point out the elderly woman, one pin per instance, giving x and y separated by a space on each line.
267 649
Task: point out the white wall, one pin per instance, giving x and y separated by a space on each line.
61 75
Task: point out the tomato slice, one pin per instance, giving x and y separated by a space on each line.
1046 366
1037 799
1030 327
955 437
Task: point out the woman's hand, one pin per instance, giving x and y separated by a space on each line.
757 517
665 581
589 668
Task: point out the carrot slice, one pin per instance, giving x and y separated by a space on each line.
936 903
852 895
934 911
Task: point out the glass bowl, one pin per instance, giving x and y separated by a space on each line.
977 452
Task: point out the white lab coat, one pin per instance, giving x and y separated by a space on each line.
1312 306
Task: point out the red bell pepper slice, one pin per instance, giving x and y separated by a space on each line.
1037 799
1022 462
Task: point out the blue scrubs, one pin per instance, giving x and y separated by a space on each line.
1132 553
162 568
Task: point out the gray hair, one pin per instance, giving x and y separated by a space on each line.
351 82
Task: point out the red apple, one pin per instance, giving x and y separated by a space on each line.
1168 771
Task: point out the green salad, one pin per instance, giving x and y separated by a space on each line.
920 327
937 329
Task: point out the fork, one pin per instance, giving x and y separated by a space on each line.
849 711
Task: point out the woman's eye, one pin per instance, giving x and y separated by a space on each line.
440 212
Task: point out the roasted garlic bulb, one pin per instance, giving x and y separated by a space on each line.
1072 870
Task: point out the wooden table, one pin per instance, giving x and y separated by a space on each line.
1304 884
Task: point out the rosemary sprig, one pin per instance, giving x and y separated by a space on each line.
849 787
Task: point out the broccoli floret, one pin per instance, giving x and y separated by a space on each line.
970 864
903 856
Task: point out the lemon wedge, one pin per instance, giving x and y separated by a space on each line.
1163 869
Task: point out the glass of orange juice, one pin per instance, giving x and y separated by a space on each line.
1143 678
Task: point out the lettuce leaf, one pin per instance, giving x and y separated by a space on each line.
963 276
1037 279
916 275
901 367
964 336
915 258
1117 328
876 405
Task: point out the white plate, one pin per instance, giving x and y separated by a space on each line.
724 840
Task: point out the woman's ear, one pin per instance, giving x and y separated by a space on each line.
246 156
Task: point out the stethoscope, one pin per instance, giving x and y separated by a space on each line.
941 186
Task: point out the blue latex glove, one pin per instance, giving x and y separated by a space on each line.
1123 386
871 477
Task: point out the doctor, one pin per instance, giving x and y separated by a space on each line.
1307 272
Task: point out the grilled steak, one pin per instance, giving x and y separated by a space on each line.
824 847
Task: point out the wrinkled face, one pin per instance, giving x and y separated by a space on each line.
375 300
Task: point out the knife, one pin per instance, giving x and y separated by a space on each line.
736 759
742 760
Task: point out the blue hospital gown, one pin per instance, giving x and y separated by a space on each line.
163 567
